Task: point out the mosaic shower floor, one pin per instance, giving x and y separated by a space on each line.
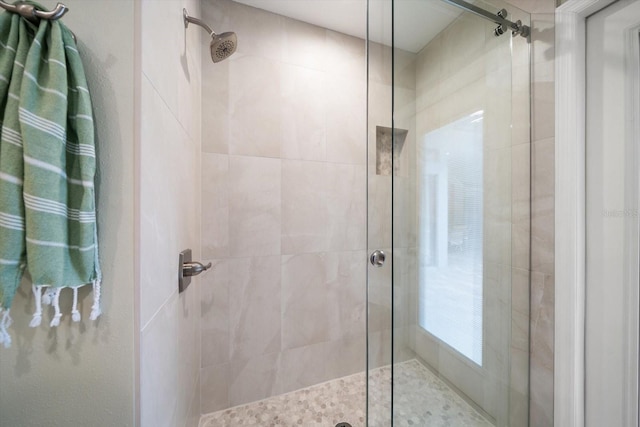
421 399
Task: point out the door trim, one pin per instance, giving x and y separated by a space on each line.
570 249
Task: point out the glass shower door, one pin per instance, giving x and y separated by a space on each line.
448 203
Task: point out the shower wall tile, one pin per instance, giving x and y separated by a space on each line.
305 213
303 123
535 6
169 206
346 202
542 224
159 378
302 366
305 300
215 310
305 45
345 284
462 38
345 56
346 120
215 108
215 205
542 76
254 307
254 100
254 206
542 221
253 379
284 207
161 54
214 388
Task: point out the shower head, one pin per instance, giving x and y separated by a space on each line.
222 45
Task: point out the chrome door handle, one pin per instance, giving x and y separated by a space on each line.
377 258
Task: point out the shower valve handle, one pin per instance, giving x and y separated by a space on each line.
194 268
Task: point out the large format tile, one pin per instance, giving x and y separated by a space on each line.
304 300
215 205
254 307
214 307
254 206
305 213
158 374
165 231
254 106
303 109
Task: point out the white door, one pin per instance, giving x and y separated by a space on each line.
612 232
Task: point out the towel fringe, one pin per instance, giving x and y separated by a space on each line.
5 322
48 296
36 320
95 308
75 314
56 306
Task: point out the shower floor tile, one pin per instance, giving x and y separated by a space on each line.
421 399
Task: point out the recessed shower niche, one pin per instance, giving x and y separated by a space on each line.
389 144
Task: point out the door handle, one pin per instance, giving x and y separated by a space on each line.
377 258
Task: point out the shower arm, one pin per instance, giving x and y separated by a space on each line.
190 19
499 18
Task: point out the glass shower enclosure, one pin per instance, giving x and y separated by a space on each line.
448 215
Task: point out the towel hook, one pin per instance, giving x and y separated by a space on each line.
30 12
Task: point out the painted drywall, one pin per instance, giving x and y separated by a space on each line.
84 374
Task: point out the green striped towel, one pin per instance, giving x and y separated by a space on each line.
47 169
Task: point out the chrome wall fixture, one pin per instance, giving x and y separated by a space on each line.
222 45
500 18
32 14
187 268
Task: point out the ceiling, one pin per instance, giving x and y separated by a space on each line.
417 21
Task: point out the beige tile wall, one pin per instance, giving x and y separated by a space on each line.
542 209
169 214
461 71
284 207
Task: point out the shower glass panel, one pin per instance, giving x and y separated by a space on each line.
448 200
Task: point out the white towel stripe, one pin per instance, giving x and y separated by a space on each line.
10 226
71 49
49 124
3 78
46 166
19 64
56 208
7 47
55 61
14 96
41 125
9 262
60 245
42 88
10 221
82 116
9 178
80 151
78 88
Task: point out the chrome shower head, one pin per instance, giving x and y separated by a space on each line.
222 45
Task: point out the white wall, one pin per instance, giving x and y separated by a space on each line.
84 374
169 213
